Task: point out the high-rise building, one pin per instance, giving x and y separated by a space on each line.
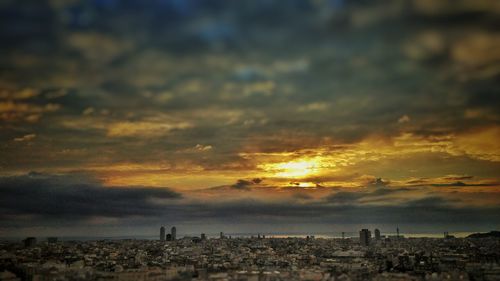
364 237
203 236
162 233
29 242
377 234
221 235
173 231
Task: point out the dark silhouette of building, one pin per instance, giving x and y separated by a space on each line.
29 242
448 236
173 231
364 237
203 236
221 235
377 234
162 233
169 237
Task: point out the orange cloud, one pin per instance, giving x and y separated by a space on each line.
144 128
28 137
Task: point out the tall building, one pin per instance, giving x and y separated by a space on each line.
29 242
162 233
377 234
221 235
203 236
364 237
173 231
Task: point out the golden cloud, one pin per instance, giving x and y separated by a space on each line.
27 137
144 128
23 94
18 111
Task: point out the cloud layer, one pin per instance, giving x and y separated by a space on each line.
36 200
293 112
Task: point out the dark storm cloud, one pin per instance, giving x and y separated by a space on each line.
242 184
246 184
449 181
246 76
462 184
428 210
76 197
378 182
345 197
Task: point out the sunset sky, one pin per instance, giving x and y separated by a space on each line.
291 116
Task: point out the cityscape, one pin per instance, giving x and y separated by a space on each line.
258 257
249 140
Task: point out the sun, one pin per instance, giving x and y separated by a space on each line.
296 169
292 169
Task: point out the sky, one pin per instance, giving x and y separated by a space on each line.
270 116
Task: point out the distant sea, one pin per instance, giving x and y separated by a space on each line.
246 235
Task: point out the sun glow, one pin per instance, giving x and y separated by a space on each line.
305 184
293 169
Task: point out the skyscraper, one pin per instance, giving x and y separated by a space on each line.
377 234
364 237
162 233
173 231
29 242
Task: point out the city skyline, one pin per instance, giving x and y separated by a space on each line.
252 116
377 234
257 258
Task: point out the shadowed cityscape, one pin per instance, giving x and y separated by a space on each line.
249 139
256 257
